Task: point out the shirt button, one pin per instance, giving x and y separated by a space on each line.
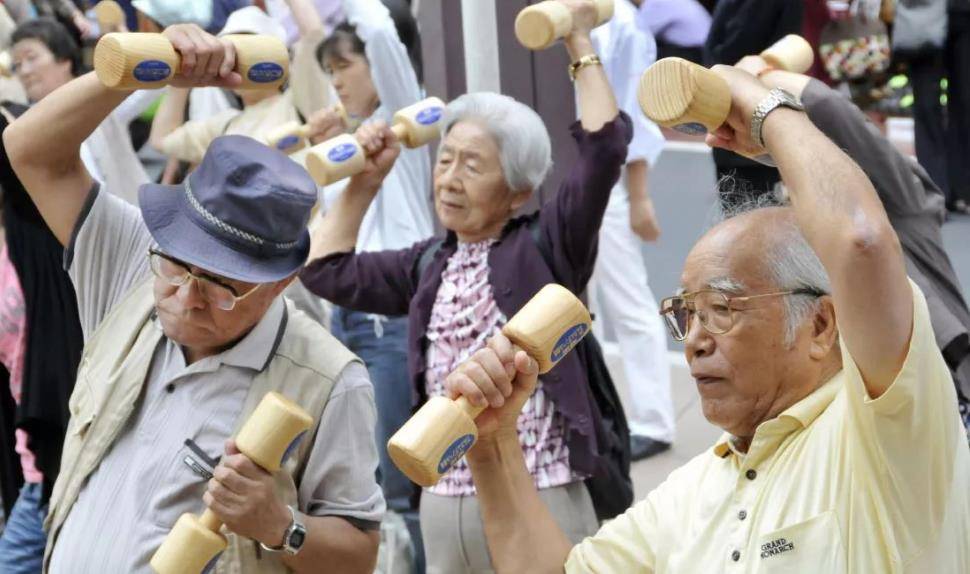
736 555
170 388
742 515
751 474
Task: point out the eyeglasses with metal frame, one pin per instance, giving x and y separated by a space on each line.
714 308
213 289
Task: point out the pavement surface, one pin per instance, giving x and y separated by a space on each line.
682 185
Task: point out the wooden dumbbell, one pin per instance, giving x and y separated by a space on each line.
134 60
442 431
343 156
272 432
109 14
690 98
6 64
292 136
538 26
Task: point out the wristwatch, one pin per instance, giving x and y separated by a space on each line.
776 97
293 538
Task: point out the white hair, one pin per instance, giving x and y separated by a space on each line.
525 150
789 261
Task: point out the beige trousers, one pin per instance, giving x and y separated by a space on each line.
454 536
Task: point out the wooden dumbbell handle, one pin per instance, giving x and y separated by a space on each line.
210 520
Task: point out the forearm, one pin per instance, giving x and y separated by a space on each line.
636 181
305 15
522 534
337 232
44 148
169 116
597 104
340 545
844 222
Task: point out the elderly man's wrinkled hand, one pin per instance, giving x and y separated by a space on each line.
205 59
381 149
746 93
501 377
243 496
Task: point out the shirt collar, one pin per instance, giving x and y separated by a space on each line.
255 350
804 413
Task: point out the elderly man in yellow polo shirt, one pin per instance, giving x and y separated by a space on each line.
843 449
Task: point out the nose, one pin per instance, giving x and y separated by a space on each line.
448 178
699 342
190 294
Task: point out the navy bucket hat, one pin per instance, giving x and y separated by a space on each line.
241 214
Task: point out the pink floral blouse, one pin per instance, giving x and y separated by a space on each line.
464 316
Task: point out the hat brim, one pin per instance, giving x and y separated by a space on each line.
164 209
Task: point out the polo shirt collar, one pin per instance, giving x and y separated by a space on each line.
255 350
804 413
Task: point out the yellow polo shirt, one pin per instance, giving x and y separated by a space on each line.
836 483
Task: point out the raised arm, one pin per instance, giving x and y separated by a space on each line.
305 16
843 220
53 175
169 117
394 77
570 223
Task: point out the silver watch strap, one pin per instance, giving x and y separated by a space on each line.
775 98
286 534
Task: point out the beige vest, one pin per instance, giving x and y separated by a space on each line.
113 370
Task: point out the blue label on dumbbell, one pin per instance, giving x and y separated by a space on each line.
289 450
691 128
287 142
212 564
454 452
265 72
151 71
342 152
428 116
568 340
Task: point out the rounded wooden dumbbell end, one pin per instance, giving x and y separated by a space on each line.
273 431
538 26
109 14
604 11
6 64
419 123
549 325
434 439
335 159
792 54
190 547
261 60
135 60
679 94
287 138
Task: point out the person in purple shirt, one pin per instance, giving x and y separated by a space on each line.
457 292
680 27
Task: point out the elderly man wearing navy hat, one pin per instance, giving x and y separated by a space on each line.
185 331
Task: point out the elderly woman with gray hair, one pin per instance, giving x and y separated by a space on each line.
495 152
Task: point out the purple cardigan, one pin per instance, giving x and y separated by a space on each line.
384 281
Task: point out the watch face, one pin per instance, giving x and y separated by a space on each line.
297 537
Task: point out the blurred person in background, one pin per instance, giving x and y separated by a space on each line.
680 27
619 289
373 60
740 28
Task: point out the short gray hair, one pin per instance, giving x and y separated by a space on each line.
525 150
790 261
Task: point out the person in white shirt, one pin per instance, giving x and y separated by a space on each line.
619 290
373 75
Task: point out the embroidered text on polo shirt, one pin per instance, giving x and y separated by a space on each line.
776 547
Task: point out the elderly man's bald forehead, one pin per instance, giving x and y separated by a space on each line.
736 249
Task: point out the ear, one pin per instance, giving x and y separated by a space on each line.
519 198
825 330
